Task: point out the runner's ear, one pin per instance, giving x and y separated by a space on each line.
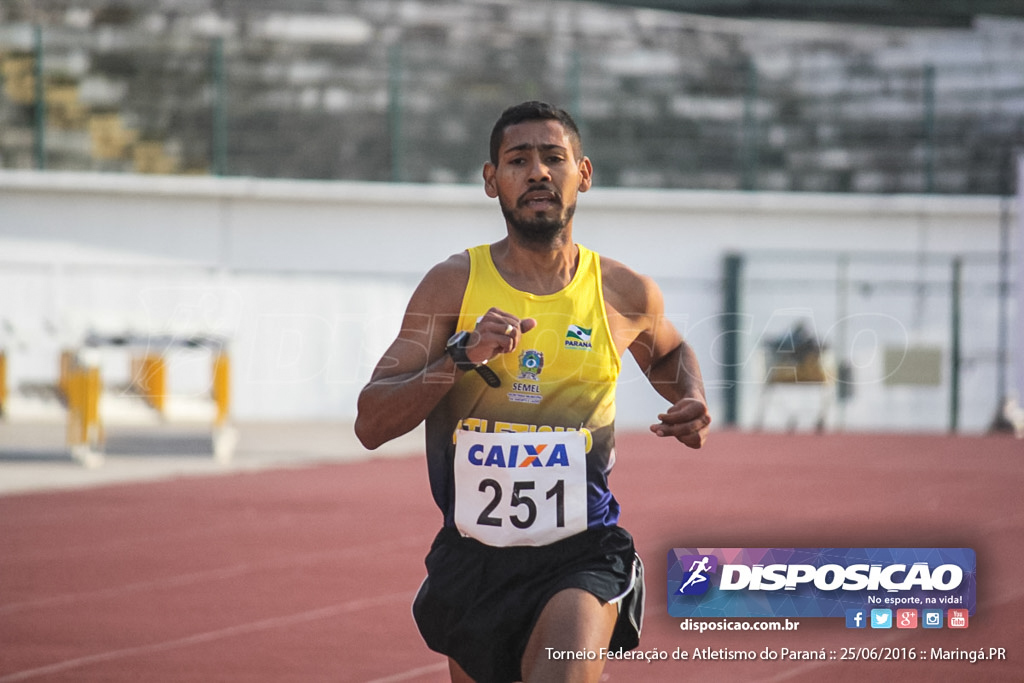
586 174
490 185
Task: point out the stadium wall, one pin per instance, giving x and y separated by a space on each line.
308 281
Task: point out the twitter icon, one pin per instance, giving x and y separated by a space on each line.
881 618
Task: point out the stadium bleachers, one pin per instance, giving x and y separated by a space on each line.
390 91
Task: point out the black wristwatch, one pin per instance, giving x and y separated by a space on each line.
456 348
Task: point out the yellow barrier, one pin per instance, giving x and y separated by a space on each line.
3 382
150 375
83 387
67 362
92 429
222 386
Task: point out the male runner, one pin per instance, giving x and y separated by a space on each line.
510 352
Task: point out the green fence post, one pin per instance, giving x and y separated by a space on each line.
732 285
575 96
39 138
220 116
954 345
395 110
929 129
1003 324
750 133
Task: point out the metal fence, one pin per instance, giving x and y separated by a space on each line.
847 340
677 106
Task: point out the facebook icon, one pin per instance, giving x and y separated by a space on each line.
856 618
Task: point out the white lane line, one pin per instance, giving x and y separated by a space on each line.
218 574
210 636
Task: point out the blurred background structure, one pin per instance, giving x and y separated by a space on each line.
213 212
236 169
404 90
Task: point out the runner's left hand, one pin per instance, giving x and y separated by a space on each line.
687 420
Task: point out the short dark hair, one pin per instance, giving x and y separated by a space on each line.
534 111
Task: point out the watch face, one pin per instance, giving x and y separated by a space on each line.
456 348
458 339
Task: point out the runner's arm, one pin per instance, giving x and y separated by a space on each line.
669 363
414 373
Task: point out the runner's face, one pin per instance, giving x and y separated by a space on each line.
537 179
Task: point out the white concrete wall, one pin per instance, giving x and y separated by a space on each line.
309 279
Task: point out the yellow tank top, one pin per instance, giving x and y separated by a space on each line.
561 377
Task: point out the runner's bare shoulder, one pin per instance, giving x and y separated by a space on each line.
628 292
442 288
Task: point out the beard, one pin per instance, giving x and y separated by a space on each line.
538 230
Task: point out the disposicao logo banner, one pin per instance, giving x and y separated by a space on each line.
817 582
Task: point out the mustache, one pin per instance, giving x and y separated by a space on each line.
539 187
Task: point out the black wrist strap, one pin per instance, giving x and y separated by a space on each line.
489 376
461 358
462 362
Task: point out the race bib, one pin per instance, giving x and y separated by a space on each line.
522 488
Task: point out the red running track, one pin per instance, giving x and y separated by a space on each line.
307 574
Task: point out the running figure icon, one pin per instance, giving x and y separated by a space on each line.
697 571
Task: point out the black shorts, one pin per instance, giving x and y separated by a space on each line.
478 604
